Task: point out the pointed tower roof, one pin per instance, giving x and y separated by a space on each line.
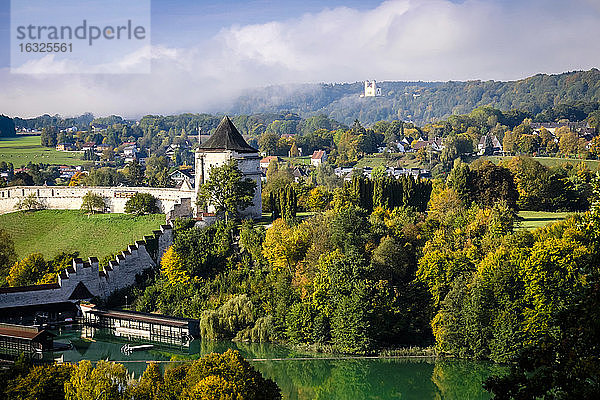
227 137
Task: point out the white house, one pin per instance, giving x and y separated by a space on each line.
318 157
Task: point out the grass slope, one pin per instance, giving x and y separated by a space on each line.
23 149
52 231
537 219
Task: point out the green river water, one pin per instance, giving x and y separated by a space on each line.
308 376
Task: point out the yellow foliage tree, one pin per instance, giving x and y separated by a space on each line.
285 246
28 271
77 179
172 267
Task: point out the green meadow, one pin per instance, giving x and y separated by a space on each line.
52 231
536 219
24 149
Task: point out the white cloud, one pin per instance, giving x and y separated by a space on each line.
398 40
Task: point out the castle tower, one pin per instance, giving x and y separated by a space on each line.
224 144
371 89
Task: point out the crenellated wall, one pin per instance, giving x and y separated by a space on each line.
82 277
70 197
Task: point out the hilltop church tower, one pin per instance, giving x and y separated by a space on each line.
227 143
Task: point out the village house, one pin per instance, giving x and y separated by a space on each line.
65 147
553 126
101 148
88 146
99 127
182 175
489 145
435 145
264 163
318 157
299 174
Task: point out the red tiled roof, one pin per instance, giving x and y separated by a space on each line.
318 154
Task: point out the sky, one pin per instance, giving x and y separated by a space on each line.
205 53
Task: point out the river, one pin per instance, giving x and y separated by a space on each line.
303 376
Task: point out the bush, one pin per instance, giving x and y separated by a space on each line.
141 204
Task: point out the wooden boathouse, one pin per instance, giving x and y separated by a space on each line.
30 340
141 326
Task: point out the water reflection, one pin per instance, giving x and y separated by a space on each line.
316 378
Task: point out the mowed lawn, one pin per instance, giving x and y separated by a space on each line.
537 219
51 231
21 150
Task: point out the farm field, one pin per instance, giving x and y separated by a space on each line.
593 165
537 219
21 150
51 231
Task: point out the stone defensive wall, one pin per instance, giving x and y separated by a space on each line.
85 279
70 197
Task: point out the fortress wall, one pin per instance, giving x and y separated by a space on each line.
119 274
70 197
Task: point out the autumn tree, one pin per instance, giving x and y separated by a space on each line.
27 271
285 245
106 380
569 143
78 179
172 268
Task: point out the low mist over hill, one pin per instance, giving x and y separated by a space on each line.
422 101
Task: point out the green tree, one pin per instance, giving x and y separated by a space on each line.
49 136
7 126
133 174
104 176
460 179
325 176
268 143
93 203
30 203
41 382
456 147
226 190
151 385
141 204
7 254
157 172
